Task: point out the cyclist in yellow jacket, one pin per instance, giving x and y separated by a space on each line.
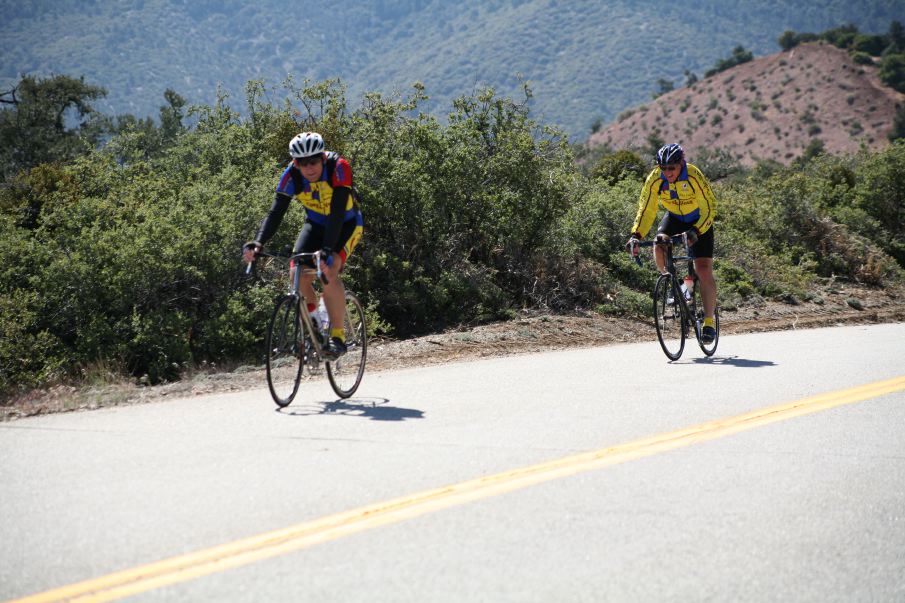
684 192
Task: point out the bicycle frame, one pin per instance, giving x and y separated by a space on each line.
692 320
294 290
671 260
689 303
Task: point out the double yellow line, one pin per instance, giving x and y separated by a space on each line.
279 542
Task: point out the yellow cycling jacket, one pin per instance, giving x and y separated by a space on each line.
690 200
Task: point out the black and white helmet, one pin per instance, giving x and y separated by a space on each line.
670 154
306 144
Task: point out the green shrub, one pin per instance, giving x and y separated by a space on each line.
626 302
898 125
892 71
125 260
862 58
621 164
871 45
739 56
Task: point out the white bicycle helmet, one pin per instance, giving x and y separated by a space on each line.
670 153
306 144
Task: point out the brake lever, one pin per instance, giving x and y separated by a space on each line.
320 273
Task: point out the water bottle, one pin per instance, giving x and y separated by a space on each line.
688 286
323 319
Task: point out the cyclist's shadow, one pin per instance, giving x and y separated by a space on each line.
734 361
375 409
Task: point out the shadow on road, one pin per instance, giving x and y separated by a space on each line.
375 409
734 361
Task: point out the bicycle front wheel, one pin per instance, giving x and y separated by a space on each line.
707 348
345 373
669 316
285 351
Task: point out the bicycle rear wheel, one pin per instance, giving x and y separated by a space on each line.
669 316
345 373
285 351
707 348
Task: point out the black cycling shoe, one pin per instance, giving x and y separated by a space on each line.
708 334
335 348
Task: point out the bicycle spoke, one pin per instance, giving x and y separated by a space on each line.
346 372
707 348
285 358
669 317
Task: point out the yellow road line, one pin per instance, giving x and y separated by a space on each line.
279 542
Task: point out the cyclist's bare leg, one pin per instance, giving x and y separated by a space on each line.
335 292
305 286
704 268
660 258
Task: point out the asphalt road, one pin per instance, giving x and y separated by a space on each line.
564 476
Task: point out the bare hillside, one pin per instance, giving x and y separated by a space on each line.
768 108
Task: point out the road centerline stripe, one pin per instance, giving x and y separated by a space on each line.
279 542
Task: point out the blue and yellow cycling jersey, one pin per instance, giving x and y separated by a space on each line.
330 203
316 197
690 199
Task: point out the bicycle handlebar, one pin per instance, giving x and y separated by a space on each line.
290 257
679 238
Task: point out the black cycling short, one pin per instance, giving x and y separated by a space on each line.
671 225
311 239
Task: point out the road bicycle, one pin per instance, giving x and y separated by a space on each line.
294 341
678 307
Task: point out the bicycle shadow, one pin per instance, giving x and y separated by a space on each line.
734 361
375 409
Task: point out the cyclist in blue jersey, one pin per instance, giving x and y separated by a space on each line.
322 182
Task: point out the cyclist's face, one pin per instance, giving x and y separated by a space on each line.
311 167
671 171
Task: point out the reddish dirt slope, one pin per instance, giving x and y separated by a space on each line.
768 108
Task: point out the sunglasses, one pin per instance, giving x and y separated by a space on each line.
670 167
306 161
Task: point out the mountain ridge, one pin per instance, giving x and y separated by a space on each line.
584 60
770 108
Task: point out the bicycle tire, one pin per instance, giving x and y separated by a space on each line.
708 348
345 373
285 350
669 316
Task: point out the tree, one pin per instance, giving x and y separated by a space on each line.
171 116
892 71
690 78
47 120
841 37
897 36
872 45
619 165
739 56
654 142
898 125
788 40
663 86
137 139
814 149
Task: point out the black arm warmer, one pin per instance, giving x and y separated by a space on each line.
272 220
337 216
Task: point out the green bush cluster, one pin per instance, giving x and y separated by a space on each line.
126 259
834 217
890 48
739 56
